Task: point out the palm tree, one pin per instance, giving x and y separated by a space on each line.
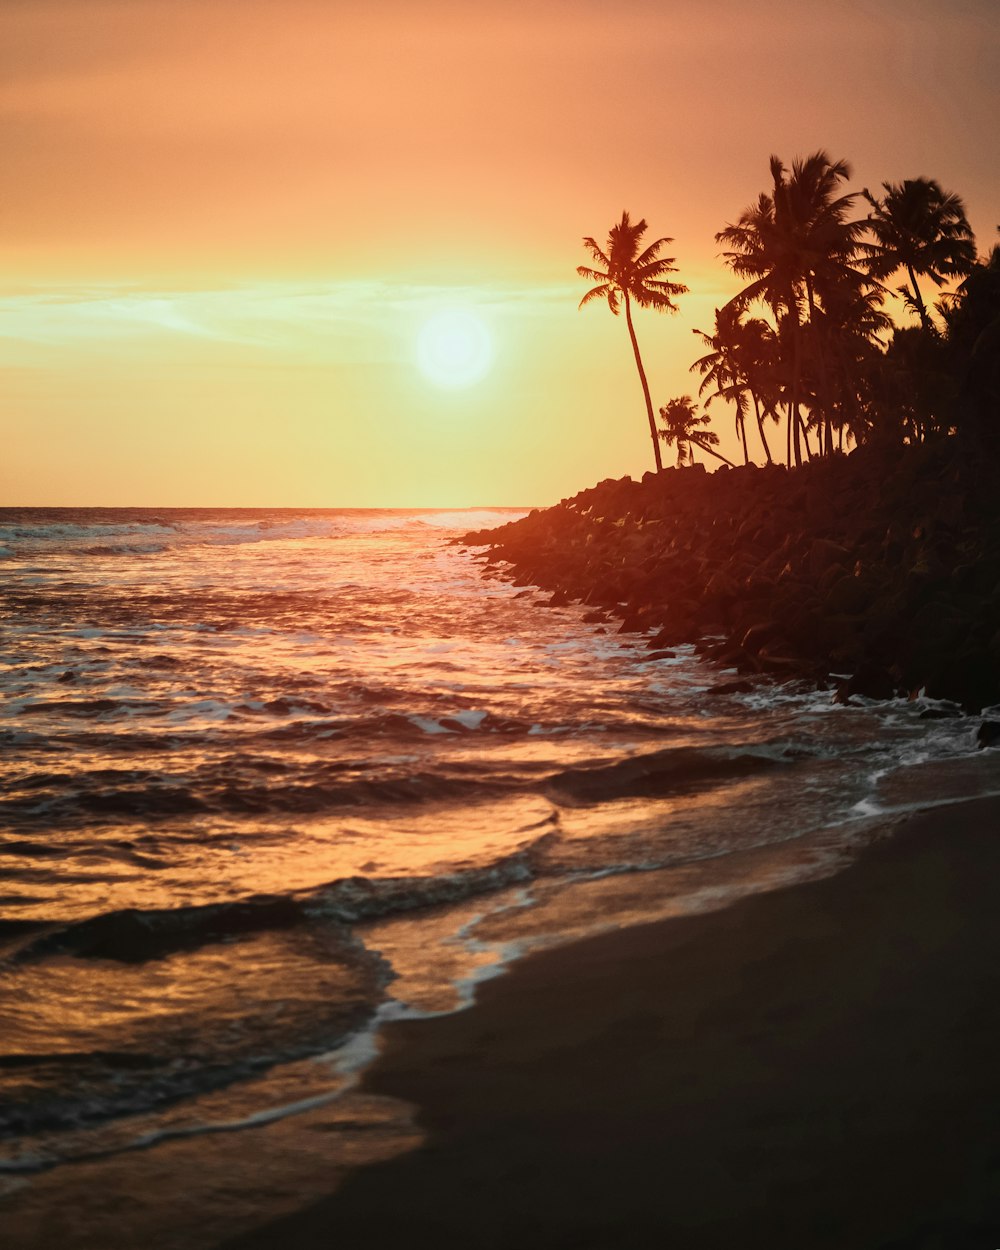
789 243
720 368
629 276
737 366
922 229
680 425
972 321
761 363
846 332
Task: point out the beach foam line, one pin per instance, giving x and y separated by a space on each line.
814 1067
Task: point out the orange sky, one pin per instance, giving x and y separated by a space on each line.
224 222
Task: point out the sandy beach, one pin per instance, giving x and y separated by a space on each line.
815 1067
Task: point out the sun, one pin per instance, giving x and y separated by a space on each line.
454 348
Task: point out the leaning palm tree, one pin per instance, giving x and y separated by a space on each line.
680 425
629 276
922 229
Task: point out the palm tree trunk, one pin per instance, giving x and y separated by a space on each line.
794 417
804 434
711 451
742 427
826 428
788 435
925 320
760 428
645 386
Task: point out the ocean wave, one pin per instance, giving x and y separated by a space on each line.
135 935
354 899
123 549
88 707
226 796
658 774
108 532
252 784
403 725
198 1023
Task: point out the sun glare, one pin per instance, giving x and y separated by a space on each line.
454 348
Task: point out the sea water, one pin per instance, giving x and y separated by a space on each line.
271 777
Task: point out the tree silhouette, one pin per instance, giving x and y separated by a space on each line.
720 369
790 244
629 276
972 323
843 336
681 422
922 229
741 363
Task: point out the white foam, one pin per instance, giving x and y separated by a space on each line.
470 719
428 725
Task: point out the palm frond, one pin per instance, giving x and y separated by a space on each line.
605 292
652 252
598 255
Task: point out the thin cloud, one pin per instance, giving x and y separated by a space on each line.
341 321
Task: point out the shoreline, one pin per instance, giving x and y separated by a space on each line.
813 1066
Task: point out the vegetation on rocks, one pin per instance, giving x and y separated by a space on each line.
878 570
806 347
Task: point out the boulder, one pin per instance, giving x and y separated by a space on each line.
870 680
988 734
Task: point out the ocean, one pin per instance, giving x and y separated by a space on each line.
272 777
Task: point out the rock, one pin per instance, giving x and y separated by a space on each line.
988 734
823 553
872 681
848 596
967 677
758 636
784 666
884 563
731 687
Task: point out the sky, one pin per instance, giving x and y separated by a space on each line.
225 224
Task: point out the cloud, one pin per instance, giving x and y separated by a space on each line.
342 322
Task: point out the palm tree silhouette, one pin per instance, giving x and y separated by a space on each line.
972 319
680 425
922 229
720 369
741 363
844 333
790 243
628 276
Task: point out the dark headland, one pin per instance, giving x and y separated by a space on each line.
876 573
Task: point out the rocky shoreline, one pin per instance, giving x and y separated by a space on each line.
877 573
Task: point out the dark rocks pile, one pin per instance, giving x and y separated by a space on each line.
879 570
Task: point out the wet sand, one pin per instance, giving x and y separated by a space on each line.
816 1067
